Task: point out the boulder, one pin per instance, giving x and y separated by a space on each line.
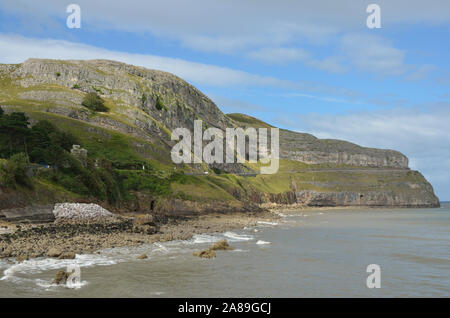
146 219
143 256
61 277
67 255
205 254
221 245
54 252
21 258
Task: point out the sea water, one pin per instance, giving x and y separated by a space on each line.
315 253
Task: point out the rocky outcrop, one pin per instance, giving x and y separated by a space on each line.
205 254
61 277
311 150
373 198
128 84
67 255
54 252
221 245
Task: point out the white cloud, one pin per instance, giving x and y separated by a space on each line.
420 73
16 49
283 55
232 24
373 54
279 55
330 99
236 27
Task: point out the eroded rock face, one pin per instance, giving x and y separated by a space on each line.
373 198
127 84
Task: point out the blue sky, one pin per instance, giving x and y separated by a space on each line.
307 66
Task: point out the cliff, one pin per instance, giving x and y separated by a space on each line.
145 105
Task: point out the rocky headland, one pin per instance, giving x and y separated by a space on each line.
126 190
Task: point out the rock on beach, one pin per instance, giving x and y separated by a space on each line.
80 211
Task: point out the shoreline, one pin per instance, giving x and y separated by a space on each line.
86 236
64 239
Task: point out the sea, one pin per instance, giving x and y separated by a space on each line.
366 252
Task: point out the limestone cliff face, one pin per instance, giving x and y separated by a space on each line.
309 149
135 92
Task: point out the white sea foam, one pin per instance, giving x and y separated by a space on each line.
261 242
204 238
160 248
267 223
39 265
236 237
49 285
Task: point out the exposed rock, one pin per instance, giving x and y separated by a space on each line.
21 258
311 150
54 252
147 219
205 254
373 198
221 245
143 256
67 255
61 277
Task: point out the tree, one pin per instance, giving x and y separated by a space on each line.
14 171
94 102
14 129
1 112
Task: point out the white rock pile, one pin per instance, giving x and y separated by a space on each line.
80 211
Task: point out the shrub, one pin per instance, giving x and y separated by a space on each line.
14 171
160 104
94 102
76 86
58 74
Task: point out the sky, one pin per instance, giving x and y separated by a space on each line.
308 66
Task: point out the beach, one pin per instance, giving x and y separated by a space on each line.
88 235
